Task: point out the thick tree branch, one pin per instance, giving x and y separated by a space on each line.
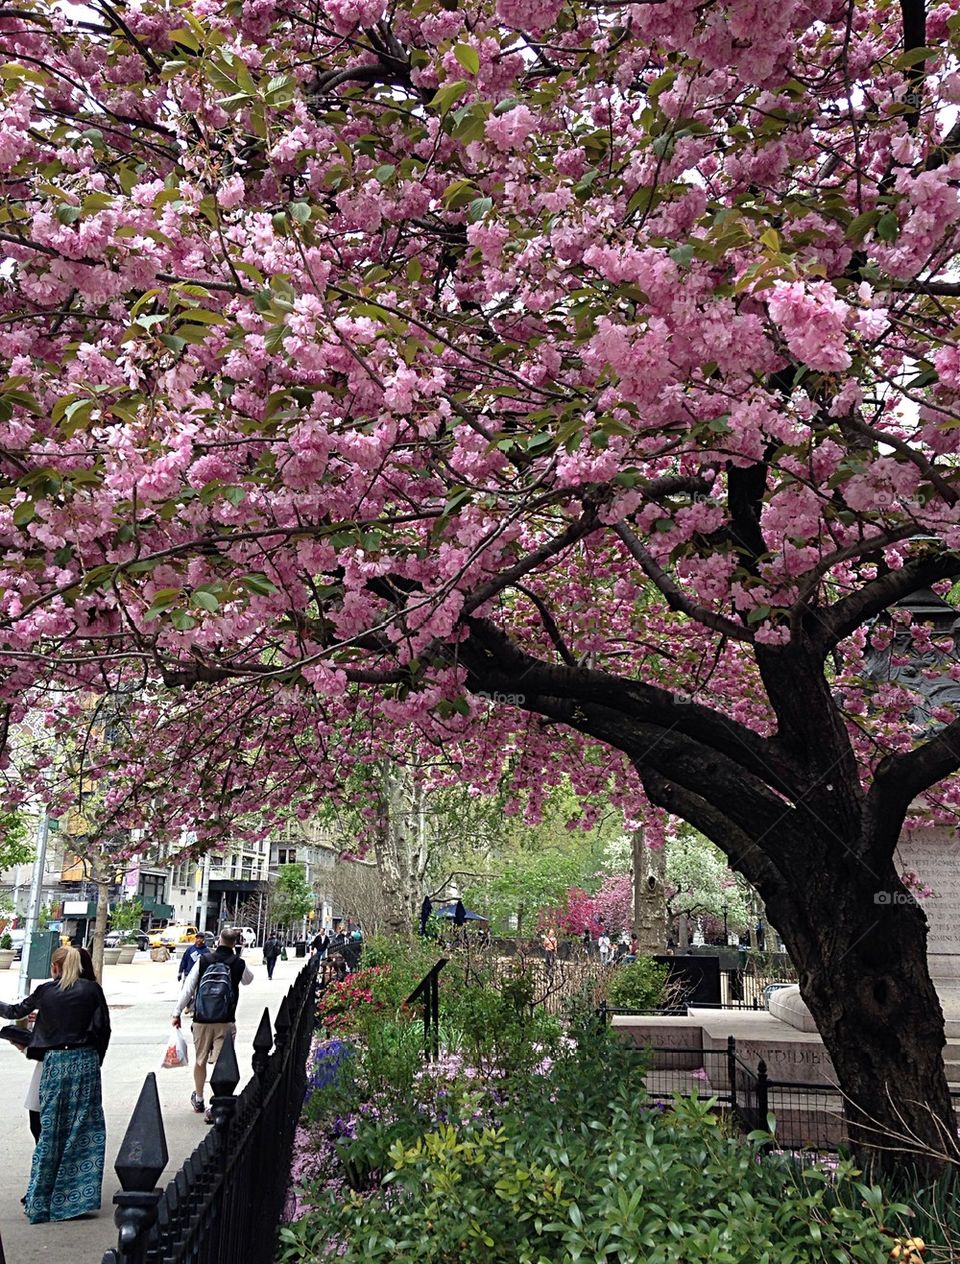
496 665
718 778
926 468
737 845
846 615
900 778
532 561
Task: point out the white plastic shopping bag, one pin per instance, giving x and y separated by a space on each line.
175 1054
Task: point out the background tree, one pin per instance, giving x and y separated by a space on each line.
292 897
15 845
700 884
126 916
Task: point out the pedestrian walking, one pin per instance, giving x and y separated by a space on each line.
605 947
70 1039
550 950
334 969
189 958
271 951
320 943
213 986
32 1100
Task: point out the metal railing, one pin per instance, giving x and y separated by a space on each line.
225 1202
428 991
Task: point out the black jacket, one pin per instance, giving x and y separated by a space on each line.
75 1019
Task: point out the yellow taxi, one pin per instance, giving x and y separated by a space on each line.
177 933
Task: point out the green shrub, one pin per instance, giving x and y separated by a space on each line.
632 1185
639 985
6 941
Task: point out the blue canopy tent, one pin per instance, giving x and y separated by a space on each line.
450 911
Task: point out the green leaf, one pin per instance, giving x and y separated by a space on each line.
888 226
457 498
13 70
201 316
478 208
758 614
206 600
183 621
299 211
258 584
468 58
858 228
444 97
914 56
25 512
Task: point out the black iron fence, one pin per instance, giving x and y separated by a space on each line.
224 1204
428 991
807 1117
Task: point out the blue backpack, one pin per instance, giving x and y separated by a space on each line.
214 998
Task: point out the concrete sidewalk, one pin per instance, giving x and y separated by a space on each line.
141 998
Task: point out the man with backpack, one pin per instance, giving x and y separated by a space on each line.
213 987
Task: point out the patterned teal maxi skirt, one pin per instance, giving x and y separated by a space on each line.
67 1173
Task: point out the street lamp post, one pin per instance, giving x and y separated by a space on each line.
726 935
36 898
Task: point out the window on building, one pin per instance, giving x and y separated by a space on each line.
153 886
287 856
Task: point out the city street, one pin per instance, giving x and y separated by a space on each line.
141 998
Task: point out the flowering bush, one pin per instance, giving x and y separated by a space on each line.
342 1006
610 910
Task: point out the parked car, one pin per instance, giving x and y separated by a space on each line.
16 939
114 938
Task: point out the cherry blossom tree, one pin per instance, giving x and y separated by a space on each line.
570 384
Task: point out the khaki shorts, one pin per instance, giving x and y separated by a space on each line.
208 1039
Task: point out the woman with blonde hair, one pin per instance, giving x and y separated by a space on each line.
70 1037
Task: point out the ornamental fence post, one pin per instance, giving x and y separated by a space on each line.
140 1163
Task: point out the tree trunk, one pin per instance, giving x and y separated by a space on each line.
401 849
649 896
683 933
860 952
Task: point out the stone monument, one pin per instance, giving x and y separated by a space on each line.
932 854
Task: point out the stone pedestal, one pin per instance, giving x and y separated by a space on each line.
934 855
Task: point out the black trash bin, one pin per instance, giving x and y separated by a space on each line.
301 948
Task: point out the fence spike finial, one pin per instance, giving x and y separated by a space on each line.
226 1073
282 1024
262 1044
143 1150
